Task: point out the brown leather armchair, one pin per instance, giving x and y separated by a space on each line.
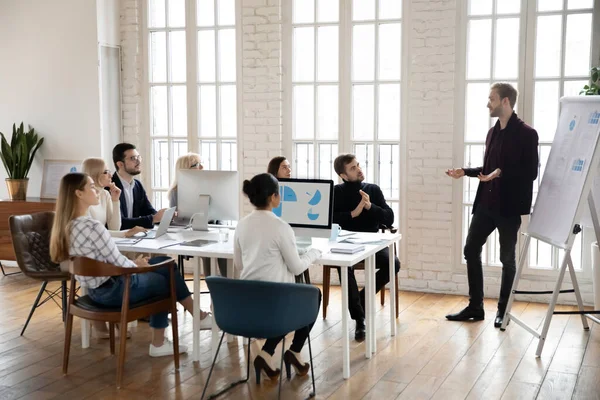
31 241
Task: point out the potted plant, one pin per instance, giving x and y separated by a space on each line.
593 89
17 159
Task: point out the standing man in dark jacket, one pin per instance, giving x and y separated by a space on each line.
361 207
136 209
510 165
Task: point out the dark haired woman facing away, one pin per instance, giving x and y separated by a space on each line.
265 250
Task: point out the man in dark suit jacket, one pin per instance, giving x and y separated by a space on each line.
136 209
510 165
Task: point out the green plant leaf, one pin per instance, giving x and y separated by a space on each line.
6 155
595 77
33 155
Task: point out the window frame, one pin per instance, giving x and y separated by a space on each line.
192 85
345 83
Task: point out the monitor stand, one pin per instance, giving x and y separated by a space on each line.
199 220
303 241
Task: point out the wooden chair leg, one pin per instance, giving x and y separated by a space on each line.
123 331
68 331
326 286
111 335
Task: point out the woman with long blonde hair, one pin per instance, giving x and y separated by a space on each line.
74 234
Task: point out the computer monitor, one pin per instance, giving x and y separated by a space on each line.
211 194
307 205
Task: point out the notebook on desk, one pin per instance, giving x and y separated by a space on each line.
347 248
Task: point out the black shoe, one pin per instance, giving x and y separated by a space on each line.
359 333
475 314
499 319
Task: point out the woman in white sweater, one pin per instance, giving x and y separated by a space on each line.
108 213
265 250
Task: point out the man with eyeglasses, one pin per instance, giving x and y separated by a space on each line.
136 209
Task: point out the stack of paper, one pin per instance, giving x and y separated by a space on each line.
347 248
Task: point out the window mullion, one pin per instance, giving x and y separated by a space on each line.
192 76
345 76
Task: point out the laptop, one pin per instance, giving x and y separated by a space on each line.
163 226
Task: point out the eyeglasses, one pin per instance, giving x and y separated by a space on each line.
106 172
195 165
134 158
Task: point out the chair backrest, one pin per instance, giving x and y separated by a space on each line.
258 309
31 241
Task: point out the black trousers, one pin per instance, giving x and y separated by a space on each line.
356 298
298 341
482 225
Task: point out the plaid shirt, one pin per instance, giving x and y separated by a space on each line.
90 239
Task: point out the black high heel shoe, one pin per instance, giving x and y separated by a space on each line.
261 365
290 360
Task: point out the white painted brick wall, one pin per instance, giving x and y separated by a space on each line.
262 85
431 55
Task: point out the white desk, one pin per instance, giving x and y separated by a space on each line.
225 250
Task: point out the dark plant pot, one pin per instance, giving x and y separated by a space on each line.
17 188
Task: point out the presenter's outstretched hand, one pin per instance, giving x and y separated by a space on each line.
455 173
486 178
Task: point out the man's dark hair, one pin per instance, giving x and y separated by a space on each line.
506 90
339 165
119 152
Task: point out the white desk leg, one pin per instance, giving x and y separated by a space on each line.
368 304
214 343
345 341
393 290
374 299
85 327
196 324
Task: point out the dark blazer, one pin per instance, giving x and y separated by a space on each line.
143 212
519 163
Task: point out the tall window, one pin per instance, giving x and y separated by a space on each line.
557 36
192 86
345 85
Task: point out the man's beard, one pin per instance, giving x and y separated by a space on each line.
132 172
496 112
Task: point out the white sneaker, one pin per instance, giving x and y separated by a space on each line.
207 322
166 349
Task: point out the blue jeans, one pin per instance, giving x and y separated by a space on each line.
142 287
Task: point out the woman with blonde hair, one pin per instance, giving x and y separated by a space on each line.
75 234
108 211
187 161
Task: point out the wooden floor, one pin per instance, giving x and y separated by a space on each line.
429 358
